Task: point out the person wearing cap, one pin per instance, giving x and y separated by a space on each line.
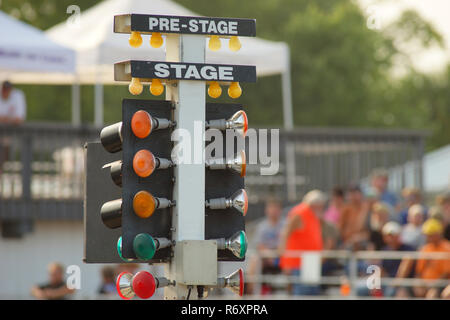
12 104
302 232
412 232
433 269
395 268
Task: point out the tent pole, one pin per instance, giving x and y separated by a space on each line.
287 93
76 107
98 104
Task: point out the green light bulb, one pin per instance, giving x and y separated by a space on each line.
144 246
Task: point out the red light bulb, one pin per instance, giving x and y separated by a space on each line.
144 284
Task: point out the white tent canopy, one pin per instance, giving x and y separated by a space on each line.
98 48
24 48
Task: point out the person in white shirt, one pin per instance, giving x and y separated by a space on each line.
12 104
412 231
13 111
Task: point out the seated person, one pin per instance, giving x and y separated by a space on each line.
351 223
412 231
396 268
379 216
267 237
55 288
433 269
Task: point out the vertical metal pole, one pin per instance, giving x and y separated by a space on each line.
188 218
287 93
353 272
291 174
27 155
98 104
420 150
76 105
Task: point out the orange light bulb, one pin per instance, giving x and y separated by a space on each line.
144 163
156 87
156 40
135 87
234 44
234 90
144 204
214 90
135 39
244 164
214 43
141 124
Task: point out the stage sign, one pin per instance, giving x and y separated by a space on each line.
124 71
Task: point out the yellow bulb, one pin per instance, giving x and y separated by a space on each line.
156 40
135 87
214 90
214 43
135 39
156 87
234 44
234 90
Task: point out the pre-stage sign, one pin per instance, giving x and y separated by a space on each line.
184 25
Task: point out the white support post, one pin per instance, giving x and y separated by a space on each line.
188 219
98 104
76 105
286 87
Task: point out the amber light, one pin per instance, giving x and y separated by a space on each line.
144 163
141 124
144 204
244 164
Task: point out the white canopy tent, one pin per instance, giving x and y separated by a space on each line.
98 48
24 48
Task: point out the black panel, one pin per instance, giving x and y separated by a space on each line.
220 183
244 27
159 183
165 70
100 242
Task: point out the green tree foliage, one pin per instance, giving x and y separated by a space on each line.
341 69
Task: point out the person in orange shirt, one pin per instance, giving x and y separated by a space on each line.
433 269
302 232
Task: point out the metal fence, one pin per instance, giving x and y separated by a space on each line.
41 165
321 158
349 272
41 170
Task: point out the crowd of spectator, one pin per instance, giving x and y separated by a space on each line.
357 219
